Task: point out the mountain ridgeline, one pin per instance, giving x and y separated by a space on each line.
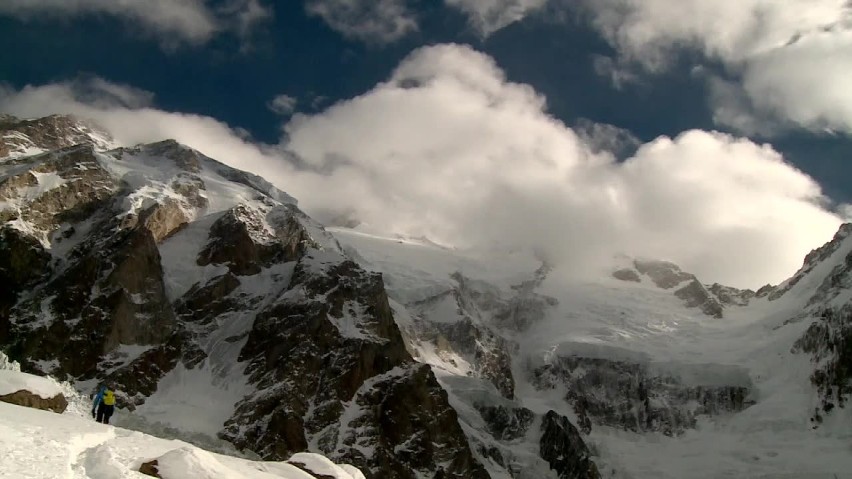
126 264
166 272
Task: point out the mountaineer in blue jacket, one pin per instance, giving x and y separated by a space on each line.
104 404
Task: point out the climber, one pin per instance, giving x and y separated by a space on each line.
104 404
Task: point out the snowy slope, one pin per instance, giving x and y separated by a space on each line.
37 444
218 309
642 324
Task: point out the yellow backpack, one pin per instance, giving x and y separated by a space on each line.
109 397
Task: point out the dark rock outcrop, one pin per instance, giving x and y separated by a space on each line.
711 300
489 353
829 342
23 260
695 295
506 424
664 274
727 295
365 393
25 398
564 449
246 240
151 468
636 397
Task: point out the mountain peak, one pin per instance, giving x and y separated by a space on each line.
22 137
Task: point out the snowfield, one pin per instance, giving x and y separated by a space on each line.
38 444
637 322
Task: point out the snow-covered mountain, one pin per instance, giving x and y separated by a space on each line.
663 375
223 310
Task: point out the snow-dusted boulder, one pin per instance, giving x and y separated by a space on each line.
28 390
199 464
321 466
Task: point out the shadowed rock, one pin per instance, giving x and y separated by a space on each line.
695 295
339 332
664 274
643 397
506 424
626 274
563 448
829 342
245 241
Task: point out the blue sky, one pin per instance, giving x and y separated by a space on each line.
616 73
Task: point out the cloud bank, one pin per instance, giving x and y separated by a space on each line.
786 61
191 21
790 58
450 149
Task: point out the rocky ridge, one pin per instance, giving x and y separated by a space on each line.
109 281
710 299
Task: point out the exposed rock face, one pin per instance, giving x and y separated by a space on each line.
112 294
829 342
527 306
711 300
164 219
481 310
564 449
487 353
637 396
506 424
56 404
695 295
664 274
246 240
336 327
23 260
490 352
837 281
151 468
727 295
20 137
68 186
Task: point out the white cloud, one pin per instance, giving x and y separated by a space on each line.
447 147
370 21
488 16
283 104
192 21
792 57
845 212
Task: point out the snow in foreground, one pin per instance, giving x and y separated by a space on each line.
38 444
